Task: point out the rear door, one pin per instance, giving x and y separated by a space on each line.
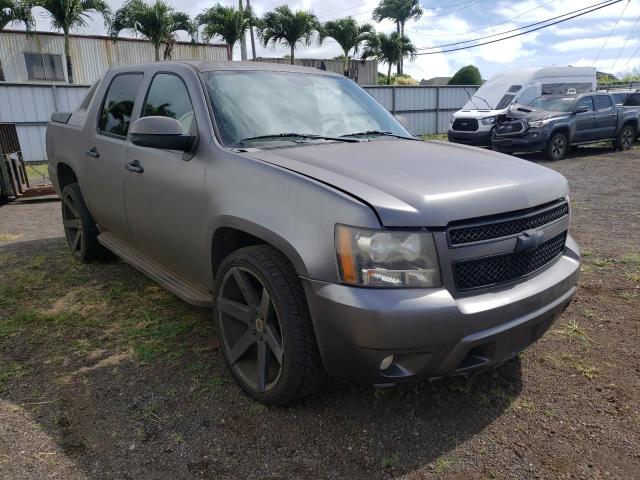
585 124
606 117
105 153
164 201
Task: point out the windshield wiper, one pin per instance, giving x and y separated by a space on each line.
488 104
298 135
377 132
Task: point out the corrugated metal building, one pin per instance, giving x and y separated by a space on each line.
364 72
40 57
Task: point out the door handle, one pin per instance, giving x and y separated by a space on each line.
135 167
92 152
612 114
593 117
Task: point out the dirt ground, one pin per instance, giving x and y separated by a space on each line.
104 375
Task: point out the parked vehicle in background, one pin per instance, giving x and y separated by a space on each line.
326 238
474 123
620 95
553 123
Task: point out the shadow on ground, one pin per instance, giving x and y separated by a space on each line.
129 383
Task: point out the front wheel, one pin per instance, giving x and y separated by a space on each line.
557 147
625 138
264 326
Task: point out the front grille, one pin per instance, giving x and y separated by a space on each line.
511 225
465 124
509 128
483 272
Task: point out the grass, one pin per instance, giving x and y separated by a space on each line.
444 463
12 371
36 170
390 462
586 370
437 136
573 330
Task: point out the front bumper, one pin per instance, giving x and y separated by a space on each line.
533 140
429 332
479 138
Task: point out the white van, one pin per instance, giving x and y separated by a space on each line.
473 124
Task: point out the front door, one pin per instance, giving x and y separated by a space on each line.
606 117
584 122
105 153
164 198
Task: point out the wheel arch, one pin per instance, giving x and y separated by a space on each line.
232 233
66 175
561 129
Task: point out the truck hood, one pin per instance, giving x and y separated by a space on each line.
525 112
426 184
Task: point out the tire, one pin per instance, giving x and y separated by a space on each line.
264 325
79 227
625 138
557 147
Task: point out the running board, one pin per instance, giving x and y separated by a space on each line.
176 283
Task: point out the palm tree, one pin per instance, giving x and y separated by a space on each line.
16 11
68 14
348 34
226 22
399 11
284 26
157 22
389 49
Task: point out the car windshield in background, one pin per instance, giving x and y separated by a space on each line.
264 108
553 104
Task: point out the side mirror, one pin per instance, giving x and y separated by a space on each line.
582 109
160 132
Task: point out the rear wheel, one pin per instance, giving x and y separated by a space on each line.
625 138
557 147
79 227
265 327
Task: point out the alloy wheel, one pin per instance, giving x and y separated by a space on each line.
72 224
558 146
250 329
627 138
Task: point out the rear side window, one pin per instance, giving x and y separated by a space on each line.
117 107
633 100
603 102
168 97
585 102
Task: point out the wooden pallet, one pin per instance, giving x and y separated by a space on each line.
14 181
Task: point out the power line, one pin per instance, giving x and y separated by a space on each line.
635 25
516 29
613 2
611 32
633 55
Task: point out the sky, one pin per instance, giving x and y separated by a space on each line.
608 38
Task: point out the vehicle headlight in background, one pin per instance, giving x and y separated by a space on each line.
387 258
488 120
539 123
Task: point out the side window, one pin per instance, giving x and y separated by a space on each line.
168 97
633 100
603 102
585 102
44 66
118 104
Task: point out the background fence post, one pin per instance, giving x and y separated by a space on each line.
437 109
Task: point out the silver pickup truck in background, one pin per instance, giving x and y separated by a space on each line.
326 238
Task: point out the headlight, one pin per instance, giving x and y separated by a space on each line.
379 258
539 123
489 120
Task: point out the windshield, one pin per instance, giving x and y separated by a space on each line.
553 104
492 96
250 106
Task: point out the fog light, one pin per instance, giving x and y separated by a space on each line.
386 362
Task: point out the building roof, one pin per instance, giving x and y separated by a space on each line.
436 81
106 37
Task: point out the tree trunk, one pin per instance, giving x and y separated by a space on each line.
253 42
346 63
398 65
401 59
67 55
293 47
389 74
230 52
157 49
243 38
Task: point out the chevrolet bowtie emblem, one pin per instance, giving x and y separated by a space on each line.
529 240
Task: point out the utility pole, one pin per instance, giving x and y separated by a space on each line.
243 42
253 42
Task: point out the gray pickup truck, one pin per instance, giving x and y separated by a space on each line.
326 238
553 123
